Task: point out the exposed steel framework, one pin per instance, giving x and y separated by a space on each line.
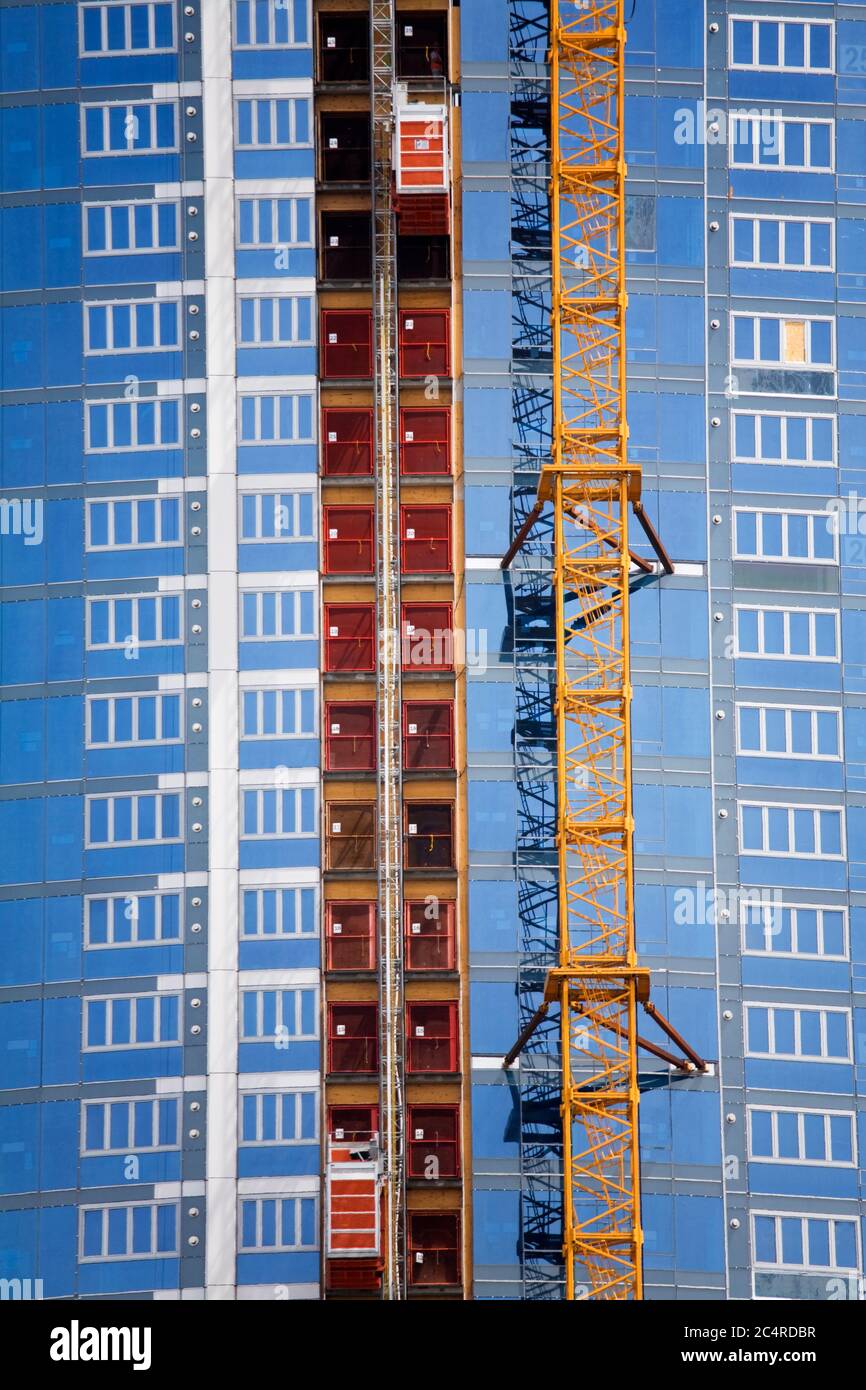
590 482
388 665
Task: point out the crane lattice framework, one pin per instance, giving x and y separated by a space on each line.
590 482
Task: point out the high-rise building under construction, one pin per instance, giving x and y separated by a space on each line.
431 642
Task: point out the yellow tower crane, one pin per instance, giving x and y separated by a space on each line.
591 484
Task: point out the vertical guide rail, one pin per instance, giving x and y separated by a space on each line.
391 1118
590 483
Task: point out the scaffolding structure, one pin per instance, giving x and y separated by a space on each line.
388 663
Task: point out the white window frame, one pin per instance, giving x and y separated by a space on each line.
278 440
135 797
781 66
135 696
768 911
765 807
110 305
279 1200
798 1009
258 46
292 242
119 643
292 102
127 51
279 793
110 999
130 205
278 635
128 1207
805 1218
277 501
115 402
294 300
281 1140
784 462
292 1033
782 363
128 899
134 501
788 710
782 222
289 925
130 107
814 519
760 655
801 1112
758 123
130 1147
279 691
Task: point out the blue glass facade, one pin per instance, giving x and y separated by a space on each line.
159 754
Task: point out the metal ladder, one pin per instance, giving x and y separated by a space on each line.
388 666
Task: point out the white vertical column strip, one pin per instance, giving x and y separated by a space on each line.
221 1172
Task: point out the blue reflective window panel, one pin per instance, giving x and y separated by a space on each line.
118 1126
169 1018
834 933
822 343
819 1243
762 1134
821 241
775 726
121 1022
769 250
825 634
846 1244
814 1146
742 36
795 144
820 156
770 340
758 1030
744 436
248 1119
97 1018
171 716
794 45
768 45
744 339
248 1224
837 1035
795 243
765 1239
792 1240
166 1228
117 1231
831 832
841 1148
785 1043
141 1232
744 240
819 45
789 1143
777 829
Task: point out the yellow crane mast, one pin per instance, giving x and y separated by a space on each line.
591 486
590 482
